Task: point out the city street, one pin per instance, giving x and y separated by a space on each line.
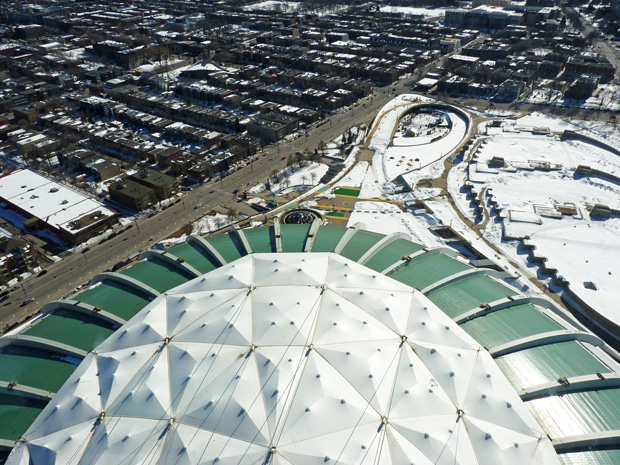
75 269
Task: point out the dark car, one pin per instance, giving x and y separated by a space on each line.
41 273
85 249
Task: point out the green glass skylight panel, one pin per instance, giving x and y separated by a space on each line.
36 368
598 457
466 294
261 240
578 413
327 238
115 297
228 247
509 324
157 274
425 271
196 256
392 253
543 364
75 329
359 244
294 237
16 414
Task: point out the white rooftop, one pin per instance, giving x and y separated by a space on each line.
48 200
287 359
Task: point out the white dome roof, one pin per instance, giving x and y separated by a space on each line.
287 359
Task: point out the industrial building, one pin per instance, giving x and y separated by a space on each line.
45 203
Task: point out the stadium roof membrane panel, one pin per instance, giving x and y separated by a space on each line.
285 359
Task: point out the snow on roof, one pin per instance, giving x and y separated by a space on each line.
52 202
287 359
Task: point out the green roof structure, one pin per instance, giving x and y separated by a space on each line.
568 377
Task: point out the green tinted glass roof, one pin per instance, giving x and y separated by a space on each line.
261 240
391 254
72 328
425 271
158 274
509 324
327 238
599 457
114 297
294 237
195 256
466 294
359 244
538 365
26 365
16 414
578 413
227 245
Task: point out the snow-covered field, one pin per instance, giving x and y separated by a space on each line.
419 160
407 10
386 218
539 197
355 177
289 7
302 178
536 192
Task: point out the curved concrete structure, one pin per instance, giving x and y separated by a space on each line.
171 260
344 240
508 302
239 233
459 277
41 343
314 227
86 309
25 391
585 442
206 246
573 384
126 280
375 249
551 337
278 232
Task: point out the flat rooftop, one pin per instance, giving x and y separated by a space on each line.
60 206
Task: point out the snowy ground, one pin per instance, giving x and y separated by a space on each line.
289 7
386 218
583 249
302 178
204 225
391 160
355 177
536 184
406 10
606 97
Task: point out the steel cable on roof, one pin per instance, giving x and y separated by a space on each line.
232 320
388 409
367 405
293 378
100 420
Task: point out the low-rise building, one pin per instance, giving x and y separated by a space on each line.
132 195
